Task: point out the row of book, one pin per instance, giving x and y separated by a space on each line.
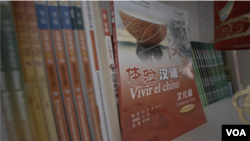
209 73
63 76
54 58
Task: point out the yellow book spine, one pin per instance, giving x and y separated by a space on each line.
40 70
25 51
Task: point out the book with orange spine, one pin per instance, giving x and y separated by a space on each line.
62 69
40 70
25 51
51 72
85 70
14 74
70 51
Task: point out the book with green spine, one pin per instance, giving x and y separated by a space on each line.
215 75
222 72
198 82
208 69
216 68
203 73
14 72
7 103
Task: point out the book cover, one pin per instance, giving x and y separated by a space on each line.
27 63
109 49
36 53
50 69
158 97
74 75
15 74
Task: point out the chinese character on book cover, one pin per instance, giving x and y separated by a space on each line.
158 97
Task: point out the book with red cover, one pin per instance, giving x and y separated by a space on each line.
158 97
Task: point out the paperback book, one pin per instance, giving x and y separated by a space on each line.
158 97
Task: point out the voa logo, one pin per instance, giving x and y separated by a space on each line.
236 132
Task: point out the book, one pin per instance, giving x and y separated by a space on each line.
4 132
156 86
109 49
62 69
39 64
15 74
199 84
27 63
4 118
203 73
99 67
74 75
85 70
50 69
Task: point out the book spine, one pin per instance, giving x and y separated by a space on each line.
203 74
40 70
203 82
197 80
8 121
25 51
209 70
85 70
70 51
62 70
116 58
109 48
206 72
210 59
113 121
223 74
94 57
216 69
3 129
14 73
50 66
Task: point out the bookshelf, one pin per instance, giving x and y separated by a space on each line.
217 114
201 18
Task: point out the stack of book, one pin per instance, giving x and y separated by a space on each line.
209 73
62 80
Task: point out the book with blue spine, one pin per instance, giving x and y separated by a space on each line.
50 69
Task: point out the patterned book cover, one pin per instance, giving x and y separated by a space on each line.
62 69
158 97
85 70
50 69
70 52
15 74
27 62
109 48
36 52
